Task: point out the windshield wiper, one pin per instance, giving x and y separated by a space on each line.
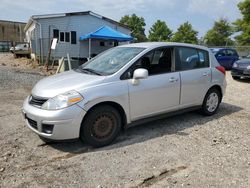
92 71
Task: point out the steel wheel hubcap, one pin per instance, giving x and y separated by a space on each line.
103 127
212 102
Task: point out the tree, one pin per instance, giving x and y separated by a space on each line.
137 25
186 34
159 32
220 34
242 25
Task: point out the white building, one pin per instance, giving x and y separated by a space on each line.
68 27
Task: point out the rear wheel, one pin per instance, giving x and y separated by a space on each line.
211 102
101 126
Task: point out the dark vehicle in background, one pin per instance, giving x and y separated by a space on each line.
241 68
225 56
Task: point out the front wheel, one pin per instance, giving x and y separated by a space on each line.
211 102
101 126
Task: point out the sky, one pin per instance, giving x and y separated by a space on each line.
200 13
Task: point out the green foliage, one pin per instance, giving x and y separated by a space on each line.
159 32
137 25
243 25
186 34
220 34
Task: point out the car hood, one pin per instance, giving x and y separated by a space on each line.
16 48
243 61
63 82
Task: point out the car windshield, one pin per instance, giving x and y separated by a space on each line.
111 61
248 57
19 45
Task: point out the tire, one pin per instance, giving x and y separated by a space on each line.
101 126
211 102
236 77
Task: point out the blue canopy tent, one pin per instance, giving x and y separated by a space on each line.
105 33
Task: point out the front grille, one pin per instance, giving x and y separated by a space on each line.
37 101
32 123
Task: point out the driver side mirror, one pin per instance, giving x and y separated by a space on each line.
139 74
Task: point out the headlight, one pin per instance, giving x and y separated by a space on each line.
62 101
235 65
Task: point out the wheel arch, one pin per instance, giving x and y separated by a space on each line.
115 105
217 87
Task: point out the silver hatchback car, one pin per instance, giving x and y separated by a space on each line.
124 86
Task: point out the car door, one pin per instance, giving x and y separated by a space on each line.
195 75
160 91
232 54
25 47
223 58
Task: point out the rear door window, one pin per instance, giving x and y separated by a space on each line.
231 53
203 58
191 58
221 53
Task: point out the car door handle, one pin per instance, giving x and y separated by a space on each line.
172 79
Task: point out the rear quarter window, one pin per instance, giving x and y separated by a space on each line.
232 53
191 58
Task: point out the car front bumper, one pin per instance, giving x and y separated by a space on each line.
61 124
240 72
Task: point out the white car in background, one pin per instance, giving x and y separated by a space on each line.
124 86
22 49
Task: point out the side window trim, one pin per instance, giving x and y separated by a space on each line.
124 77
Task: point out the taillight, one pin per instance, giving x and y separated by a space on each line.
221 69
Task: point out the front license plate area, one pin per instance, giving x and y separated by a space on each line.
246 72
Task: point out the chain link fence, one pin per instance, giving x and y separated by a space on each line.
41 48
5 46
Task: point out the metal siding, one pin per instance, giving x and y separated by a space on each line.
82 24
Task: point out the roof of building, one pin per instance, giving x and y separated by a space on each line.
35 17
14 22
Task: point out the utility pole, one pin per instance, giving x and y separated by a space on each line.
20 33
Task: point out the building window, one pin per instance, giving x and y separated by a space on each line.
67 39
102 43
55 33
73 37
62 37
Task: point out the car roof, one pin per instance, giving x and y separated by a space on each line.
162 44
217 49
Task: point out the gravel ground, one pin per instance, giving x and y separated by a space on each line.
15 79
187 150
24 65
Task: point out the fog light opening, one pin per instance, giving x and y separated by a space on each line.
47 128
